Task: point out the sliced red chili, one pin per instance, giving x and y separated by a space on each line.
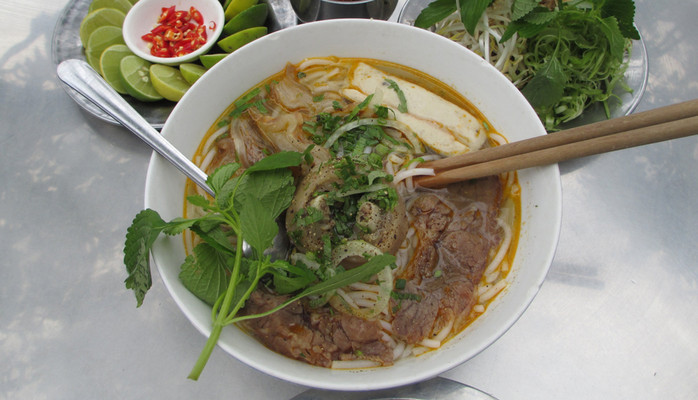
196 15
178 32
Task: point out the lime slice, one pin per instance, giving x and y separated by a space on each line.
110 64
239 39
237 6
191 72
133 2
249 18
136 78
209 60
97 19
168 81
99 40
121 5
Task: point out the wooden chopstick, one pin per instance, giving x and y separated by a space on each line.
647 127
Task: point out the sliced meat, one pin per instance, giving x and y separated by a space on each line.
315 336
457 229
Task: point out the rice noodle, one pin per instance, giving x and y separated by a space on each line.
503 248
430 343
406 173
487 292
399 350
443 333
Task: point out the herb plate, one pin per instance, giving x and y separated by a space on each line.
636 75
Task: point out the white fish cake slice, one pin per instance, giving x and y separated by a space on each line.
441 125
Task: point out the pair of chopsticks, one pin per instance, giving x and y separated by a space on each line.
665 123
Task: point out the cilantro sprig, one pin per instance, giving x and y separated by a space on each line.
246 206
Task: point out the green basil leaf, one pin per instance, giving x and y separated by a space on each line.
435 12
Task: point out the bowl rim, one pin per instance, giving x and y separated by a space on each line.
442 359
132 31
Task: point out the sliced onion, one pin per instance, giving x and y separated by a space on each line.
384 279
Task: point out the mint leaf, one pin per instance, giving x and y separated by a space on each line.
624 12
547 86
214 235
178 225
471 11
140 236
205 272
199 201
258 226
435 12
524 28
273 189
221 175
283 159
540 16
522 7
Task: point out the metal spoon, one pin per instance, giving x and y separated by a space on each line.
82 78
78 75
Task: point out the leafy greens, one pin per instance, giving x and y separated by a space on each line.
573 53
245 207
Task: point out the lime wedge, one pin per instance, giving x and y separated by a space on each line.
136 78
249 18
99 40
121 5
110 64
133 2
237 6
239 39
191 72
209 60
97 19
168 81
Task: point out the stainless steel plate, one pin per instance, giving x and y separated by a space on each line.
434 389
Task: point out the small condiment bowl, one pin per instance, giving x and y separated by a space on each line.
143 17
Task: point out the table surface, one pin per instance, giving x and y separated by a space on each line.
616 318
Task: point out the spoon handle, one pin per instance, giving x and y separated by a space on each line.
82 78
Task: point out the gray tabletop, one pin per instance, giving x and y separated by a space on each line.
616 318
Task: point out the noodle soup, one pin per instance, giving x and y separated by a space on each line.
365 126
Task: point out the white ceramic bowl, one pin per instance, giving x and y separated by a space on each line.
143 16
486 88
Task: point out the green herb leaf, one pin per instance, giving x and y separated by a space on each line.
272 189
258 225
140 236
402 107
616 41
435 12
283 159
522 7
289 278
471 11
205 272
540 16
624 12
546 87
214 236
199 201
